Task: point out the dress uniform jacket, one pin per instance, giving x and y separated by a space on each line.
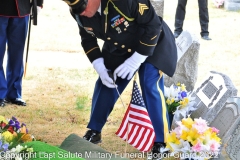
16 8
127 26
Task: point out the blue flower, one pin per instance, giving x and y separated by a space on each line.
14 118
11 122
5 146
184 94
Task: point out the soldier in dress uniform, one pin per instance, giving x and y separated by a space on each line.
14 17
135 38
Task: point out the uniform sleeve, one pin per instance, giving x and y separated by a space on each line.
146 17
89 43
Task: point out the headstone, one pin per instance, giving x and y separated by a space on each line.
158 5
183 42
211 96
187 67
228 122
232 5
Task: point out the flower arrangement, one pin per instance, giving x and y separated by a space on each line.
12 136
179 101
176 97
194 139
218 3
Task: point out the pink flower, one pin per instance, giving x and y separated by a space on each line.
214 146
178 131
197 147
215 130
201 125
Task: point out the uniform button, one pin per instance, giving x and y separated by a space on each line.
108 38
129 50
123 46
125 29
115 43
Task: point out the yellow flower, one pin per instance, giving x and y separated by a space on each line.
172 138
184 102
184 135
183 87
187 122
170 101
8 136
2 119
179 84
193 136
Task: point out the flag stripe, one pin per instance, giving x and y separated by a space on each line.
122 129
144 141
135 138
136 127
132 132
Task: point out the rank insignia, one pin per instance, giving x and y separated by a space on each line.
142 7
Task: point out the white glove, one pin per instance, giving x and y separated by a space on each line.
99 66
39 9
129 66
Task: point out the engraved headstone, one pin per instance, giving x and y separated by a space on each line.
211 96
228 122
158 5
187 67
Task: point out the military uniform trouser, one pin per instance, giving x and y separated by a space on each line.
13 32
203 16
152 87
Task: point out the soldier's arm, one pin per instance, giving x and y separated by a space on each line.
145 15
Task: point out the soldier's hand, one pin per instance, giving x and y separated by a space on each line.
129 66
102 71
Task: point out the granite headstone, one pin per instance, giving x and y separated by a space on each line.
158 5
228 122
211 96
187 67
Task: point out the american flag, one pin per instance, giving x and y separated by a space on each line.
136 127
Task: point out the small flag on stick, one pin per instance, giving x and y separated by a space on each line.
136 127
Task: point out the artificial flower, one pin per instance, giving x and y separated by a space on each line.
7 136
178 99
193 137
12 136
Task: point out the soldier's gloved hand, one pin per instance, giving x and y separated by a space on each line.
129 66
98 65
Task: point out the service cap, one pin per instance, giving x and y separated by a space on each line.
78 6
